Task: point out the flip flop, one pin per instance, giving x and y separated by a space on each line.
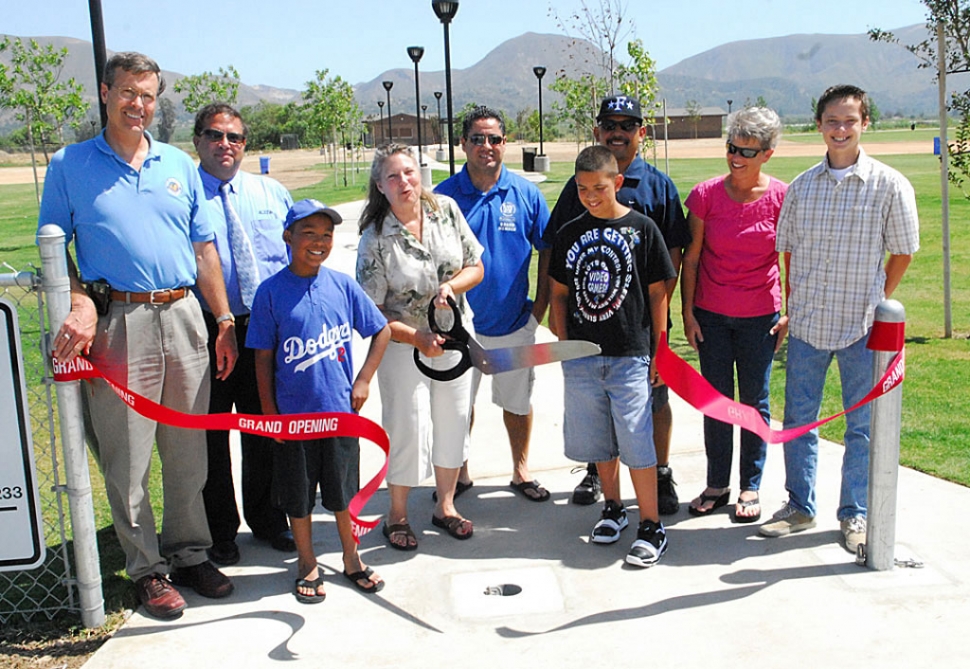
460 489
452 525
388 530
539 494
365 575
745 504
309 583
719 501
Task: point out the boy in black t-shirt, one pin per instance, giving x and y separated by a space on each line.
608 270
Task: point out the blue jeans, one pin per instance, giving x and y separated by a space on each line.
606 406
744 343
807 367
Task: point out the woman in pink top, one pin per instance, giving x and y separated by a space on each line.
731 297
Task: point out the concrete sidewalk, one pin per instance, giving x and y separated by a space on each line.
721 596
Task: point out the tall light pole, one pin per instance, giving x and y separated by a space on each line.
388 85
437 97
445 10
380 103
415 53
729 105
540 71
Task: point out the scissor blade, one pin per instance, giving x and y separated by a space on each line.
498 360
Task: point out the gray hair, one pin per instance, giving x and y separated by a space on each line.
758 123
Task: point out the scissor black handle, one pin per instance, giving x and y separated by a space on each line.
457 331
457 340
447 374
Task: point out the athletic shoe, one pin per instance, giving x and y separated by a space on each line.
650 545
611 523
667 501
786 521
589 491
159 598
854 532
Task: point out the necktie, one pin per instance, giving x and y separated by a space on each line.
242 251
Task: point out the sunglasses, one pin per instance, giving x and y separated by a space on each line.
745 153
214 135
479 140
625 126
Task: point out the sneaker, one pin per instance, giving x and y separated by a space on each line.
589 491
854 532
205 579
667 500
611 523
650 545
786 521
224 552
159 598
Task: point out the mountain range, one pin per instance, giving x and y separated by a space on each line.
788 72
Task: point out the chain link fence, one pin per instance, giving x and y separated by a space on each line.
49 589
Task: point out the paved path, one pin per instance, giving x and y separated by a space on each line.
722 596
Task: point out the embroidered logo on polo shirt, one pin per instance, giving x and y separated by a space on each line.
506 222
173 186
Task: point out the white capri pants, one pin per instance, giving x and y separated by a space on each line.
426 420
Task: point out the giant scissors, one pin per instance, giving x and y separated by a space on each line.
496 360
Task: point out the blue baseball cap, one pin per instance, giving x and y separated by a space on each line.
309 207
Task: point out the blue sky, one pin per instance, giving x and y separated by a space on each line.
283 42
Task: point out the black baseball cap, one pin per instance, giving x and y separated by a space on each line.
620 105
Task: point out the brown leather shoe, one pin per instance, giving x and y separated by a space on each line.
205 579
159 598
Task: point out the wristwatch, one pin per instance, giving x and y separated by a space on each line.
225 317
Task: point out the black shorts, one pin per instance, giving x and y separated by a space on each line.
301 467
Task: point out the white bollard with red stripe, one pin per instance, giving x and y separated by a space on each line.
886 340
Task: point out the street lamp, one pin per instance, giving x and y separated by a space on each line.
437 96
729 105
445 10
380 103
415 53
540 71
388 85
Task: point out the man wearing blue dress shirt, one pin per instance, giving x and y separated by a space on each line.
248 213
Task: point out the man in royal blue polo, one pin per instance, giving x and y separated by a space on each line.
508 215
619 127
131 205
248 212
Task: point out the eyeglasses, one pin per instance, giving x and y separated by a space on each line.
745 153
129 95
626 126
214 135
479 140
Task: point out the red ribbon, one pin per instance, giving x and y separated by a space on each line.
886 336
700 394
291 427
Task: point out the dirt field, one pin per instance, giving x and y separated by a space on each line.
291 168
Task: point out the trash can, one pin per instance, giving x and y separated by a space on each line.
529 158
936 146
264 164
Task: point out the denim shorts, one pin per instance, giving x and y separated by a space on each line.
607 410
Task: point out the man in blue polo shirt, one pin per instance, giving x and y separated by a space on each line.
508 214
619 127
248 212
132 207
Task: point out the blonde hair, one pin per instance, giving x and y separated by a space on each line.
377 204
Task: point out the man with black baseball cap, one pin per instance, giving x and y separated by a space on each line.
619 127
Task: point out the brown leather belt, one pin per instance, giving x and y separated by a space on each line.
151 297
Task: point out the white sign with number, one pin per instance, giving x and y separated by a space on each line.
21 525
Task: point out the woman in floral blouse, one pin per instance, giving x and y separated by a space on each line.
416 247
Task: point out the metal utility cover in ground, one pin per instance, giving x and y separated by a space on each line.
21 527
